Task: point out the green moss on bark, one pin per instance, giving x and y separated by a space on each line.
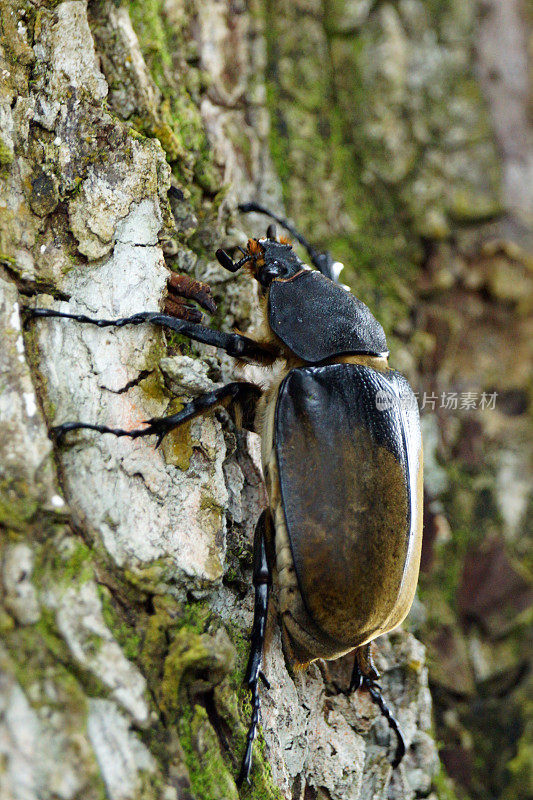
179 125
359 136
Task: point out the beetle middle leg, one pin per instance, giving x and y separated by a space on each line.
365 675
241 394
262 579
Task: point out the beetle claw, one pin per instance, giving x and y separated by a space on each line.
400 750
244 774
158 427
266 682
58 432
246 766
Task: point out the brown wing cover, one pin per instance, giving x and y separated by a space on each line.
350 495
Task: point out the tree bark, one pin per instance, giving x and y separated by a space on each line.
126 571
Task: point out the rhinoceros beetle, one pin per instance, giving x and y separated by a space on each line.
342 533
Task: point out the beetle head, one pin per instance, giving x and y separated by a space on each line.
266 259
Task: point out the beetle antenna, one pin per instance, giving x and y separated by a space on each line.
247 207
322 261
227 262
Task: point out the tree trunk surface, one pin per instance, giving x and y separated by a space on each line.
125 570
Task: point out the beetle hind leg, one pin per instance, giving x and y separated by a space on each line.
262 579
363 667
365 675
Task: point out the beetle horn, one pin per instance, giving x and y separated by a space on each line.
271 231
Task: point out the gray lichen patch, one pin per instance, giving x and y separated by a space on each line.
121 756
109 191
68 46
26 471
79 619
44 748
20 595
186 376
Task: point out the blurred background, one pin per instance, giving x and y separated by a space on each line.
402 134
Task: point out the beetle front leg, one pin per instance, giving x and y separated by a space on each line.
181 288
364 675
235 344
262 579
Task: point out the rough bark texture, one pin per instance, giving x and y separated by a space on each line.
125 570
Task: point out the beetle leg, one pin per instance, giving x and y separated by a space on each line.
262 579
364 675
184 287
322 261
235 344
244 393
357 677
363 666
375 693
